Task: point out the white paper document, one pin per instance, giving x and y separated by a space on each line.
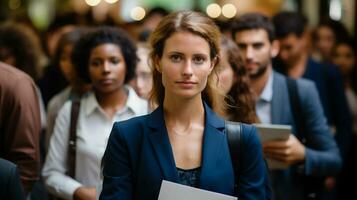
269 132
174 191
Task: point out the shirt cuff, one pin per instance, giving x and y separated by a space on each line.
69 187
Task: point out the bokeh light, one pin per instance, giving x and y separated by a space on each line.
213 10
111 1
229 10
138 13
93 2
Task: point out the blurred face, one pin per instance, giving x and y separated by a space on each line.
344 58
256 50
143 81
107 68
325 40
65 63
291 49
225 74
185 65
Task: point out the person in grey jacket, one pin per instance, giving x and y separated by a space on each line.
312 153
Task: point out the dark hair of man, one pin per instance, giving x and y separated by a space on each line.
287 23
104 35
253 21
157 11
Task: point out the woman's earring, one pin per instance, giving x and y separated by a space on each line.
158 68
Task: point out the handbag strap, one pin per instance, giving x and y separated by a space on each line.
234 131
72 138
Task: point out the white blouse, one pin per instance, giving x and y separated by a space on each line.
93 129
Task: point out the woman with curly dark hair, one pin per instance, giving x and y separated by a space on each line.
106 58
234 82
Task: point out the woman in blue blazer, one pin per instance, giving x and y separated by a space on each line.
183 140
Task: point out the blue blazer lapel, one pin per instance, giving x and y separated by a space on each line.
213 140
161 145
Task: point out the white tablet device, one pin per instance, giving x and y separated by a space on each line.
269 132
273 131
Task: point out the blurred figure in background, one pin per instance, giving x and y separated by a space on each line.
20 124
76 86
234 82
311 152
20 47
53 81
295 61
151 20
106 58
325 36
143 75
344 56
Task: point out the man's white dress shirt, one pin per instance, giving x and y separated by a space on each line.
263 105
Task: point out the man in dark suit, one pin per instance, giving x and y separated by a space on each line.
10 185
318 154
294 61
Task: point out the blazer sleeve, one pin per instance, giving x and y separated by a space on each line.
117 170
322 154
253 177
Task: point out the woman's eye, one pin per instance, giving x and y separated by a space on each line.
176 58
95 63
115 60
199 59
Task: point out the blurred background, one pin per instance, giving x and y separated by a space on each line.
43 14
30 32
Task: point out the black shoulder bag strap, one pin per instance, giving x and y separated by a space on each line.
234 131
235 144
312 185
296 107
72 139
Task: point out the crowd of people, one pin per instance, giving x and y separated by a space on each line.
111 115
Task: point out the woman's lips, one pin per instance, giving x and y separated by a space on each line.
106 81
186 84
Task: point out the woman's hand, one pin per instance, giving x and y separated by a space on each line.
85 193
